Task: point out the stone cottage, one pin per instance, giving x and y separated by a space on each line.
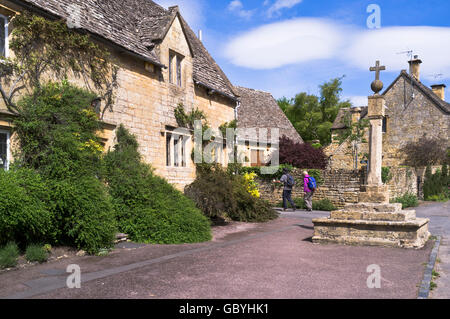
413 110
258 112
162 64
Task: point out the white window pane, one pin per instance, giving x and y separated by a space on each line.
3 150
2 36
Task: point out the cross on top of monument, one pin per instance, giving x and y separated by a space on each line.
377 85
377 68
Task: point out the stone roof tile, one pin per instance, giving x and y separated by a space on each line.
260 110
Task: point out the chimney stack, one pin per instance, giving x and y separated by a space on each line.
414 67
439 90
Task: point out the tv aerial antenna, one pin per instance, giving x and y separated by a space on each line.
410 55
437 76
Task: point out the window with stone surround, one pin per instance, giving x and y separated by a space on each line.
175 68
4 149
176 149
385 124
4 50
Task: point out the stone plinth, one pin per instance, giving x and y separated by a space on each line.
372 224
374 194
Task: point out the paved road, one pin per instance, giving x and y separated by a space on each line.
273 260
439 214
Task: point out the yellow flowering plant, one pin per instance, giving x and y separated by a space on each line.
252 186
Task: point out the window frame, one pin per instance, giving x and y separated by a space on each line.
6 28
176 144
8 147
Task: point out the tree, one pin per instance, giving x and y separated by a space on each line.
426 151
301 155
313 116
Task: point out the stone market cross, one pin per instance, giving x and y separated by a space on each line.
373 221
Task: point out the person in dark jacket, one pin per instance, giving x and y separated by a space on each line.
287 190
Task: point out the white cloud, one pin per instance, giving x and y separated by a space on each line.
432 44
281 4
191 10
303 40
237 7
357 100
289 42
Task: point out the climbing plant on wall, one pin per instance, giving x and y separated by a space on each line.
41 47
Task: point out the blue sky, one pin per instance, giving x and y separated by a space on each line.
291 46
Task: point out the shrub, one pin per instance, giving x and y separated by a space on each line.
36 253
57 131
322 205
407 200
436 186
220 195
9 255
301 155
386 175
147 207
84 213
24 212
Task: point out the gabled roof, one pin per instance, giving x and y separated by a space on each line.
260 110
136 25
441 104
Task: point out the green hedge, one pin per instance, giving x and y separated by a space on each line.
25 215
322 205
147 207
84 213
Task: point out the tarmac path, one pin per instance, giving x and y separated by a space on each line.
275 260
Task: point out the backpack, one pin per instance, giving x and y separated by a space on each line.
290 181
312 183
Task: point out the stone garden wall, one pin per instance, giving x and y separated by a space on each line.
339 186
342 186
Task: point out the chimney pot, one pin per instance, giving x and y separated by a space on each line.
439 90
414 67
200 35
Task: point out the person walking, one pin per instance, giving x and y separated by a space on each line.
289 183
309 189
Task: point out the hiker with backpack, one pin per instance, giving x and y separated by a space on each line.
310 187
289 183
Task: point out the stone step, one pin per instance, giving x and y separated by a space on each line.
373 207
374 216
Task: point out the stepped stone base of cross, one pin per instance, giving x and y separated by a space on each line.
373 221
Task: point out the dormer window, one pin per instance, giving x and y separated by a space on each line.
4 50
175 68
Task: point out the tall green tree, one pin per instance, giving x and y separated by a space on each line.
313 116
